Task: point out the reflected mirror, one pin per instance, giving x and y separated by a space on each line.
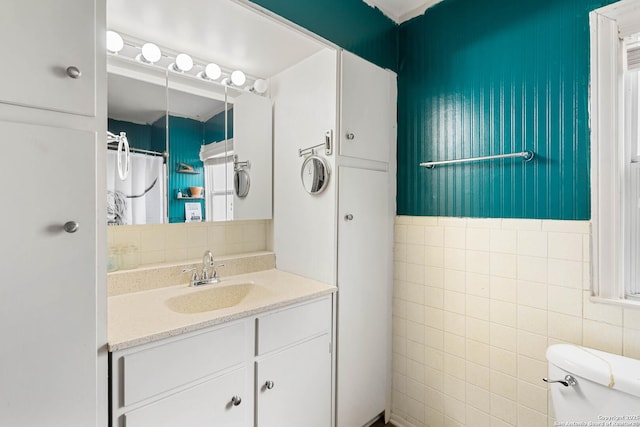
315 174
241 183
196 117
235 37
136 108
186 133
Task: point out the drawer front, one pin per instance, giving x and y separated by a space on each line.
207 404
289 326
158 369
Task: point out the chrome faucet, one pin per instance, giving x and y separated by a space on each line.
209 273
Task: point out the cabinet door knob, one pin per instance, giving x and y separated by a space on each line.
348 217
269 385
74 72
71 226
350 136
236 400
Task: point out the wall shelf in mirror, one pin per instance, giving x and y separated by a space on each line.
185 168
189 198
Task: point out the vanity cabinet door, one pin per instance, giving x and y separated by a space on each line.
46 44
293 387
212 403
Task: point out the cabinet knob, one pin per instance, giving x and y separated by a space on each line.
74 72
348 217
71 226
236 400
350 136
269 385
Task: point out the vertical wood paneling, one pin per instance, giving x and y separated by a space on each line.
492 77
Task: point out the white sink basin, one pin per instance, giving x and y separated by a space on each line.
213 297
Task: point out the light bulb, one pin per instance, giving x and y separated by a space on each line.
212 71
151 53
238 78
260 86
114 42
183 62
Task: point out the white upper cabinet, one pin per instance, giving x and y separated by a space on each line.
368 100
48 53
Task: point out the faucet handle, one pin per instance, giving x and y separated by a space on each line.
215 270
194 276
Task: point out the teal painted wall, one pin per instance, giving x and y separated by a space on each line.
185 138
351 24
491 77
146 137
214 127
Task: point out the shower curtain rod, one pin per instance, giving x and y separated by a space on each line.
140 150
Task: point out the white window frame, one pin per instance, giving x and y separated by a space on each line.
610 247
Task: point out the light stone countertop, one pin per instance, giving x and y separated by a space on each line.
143 317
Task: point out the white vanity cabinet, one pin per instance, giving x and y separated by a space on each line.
192 379
293 367
278 363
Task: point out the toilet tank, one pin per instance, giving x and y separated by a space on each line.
607 390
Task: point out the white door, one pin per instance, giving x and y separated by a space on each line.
48 321
220 402
364 295
368 109
252 142
35 69
300 390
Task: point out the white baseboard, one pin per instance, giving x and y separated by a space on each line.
399 422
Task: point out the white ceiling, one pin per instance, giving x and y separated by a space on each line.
220 31
402 10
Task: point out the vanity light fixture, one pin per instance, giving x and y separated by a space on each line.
238 78
211 72
183 63
115 43
260 86
150 53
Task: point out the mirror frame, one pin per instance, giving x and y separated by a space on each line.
325 168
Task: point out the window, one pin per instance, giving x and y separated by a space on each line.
218 180
615 151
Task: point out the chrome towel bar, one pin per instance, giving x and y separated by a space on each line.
527 156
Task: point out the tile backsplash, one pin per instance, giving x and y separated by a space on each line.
153 244
477 302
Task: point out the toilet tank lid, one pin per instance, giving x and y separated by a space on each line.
618 372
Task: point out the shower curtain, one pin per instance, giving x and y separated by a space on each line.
139 199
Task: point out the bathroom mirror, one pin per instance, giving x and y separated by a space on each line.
185 133
196 119
315 174
137 109
236 37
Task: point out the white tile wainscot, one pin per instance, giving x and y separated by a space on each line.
476 303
